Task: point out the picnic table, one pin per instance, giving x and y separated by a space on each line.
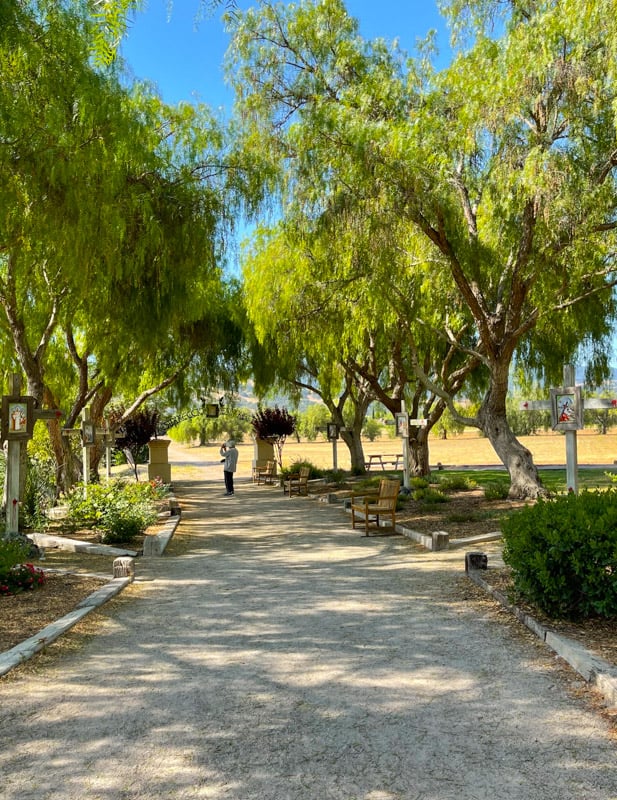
383 461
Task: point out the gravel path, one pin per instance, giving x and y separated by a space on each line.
287 657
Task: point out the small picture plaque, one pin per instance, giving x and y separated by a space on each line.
402 424
17 417
567 408
333 431
88 434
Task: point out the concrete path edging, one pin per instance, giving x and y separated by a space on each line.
154 545
29 647
593 669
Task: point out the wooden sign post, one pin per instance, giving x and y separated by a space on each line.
19 413
567 406
88 433
333 434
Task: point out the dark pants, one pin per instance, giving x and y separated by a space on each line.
229 480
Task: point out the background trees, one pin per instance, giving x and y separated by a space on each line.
501 167
436 228
112 247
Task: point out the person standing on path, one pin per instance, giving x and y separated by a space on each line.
230 462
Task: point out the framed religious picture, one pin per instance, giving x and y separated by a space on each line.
17 417
402 424
567 408
88 434
333 430
212 410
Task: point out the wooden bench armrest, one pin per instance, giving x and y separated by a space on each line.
367 495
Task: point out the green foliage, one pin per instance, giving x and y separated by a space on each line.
527 423
448 425
497 490
430 496
312 422
456 483
335 476
119 510
295 467
416 482
372 429
12 552
563 554
464 172
39 493
16 576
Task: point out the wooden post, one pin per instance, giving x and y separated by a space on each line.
571 442
405 452
12 468
85 452
108 448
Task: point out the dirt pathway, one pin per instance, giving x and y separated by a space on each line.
286 657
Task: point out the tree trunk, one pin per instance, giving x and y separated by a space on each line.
419 465
524 478
353 440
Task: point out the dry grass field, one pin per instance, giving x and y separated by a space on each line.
468 449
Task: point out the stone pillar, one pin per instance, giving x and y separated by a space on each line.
262 453
158 464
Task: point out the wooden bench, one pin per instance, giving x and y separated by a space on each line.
374 505
378 460
297 482
265 474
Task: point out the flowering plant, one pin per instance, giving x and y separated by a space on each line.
159 488
20 578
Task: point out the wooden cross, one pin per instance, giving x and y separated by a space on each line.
89 436
570 430
16 435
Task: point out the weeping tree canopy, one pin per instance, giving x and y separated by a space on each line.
503 164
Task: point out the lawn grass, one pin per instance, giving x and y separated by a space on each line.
553 479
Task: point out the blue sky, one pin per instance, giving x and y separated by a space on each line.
183 57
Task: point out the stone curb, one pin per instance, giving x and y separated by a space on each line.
595 670
29 647
26 649
155 544
77 546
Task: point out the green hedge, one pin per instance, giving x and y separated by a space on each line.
563 554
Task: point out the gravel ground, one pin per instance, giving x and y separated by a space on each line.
286 657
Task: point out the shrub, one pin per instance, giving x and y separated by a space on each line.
563 554
418 483
456 483
120 510
496 490
12 552
430 496
295 466
39 493
16 577
335 476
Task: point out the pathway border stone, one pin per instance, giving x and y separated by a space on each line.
595 670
